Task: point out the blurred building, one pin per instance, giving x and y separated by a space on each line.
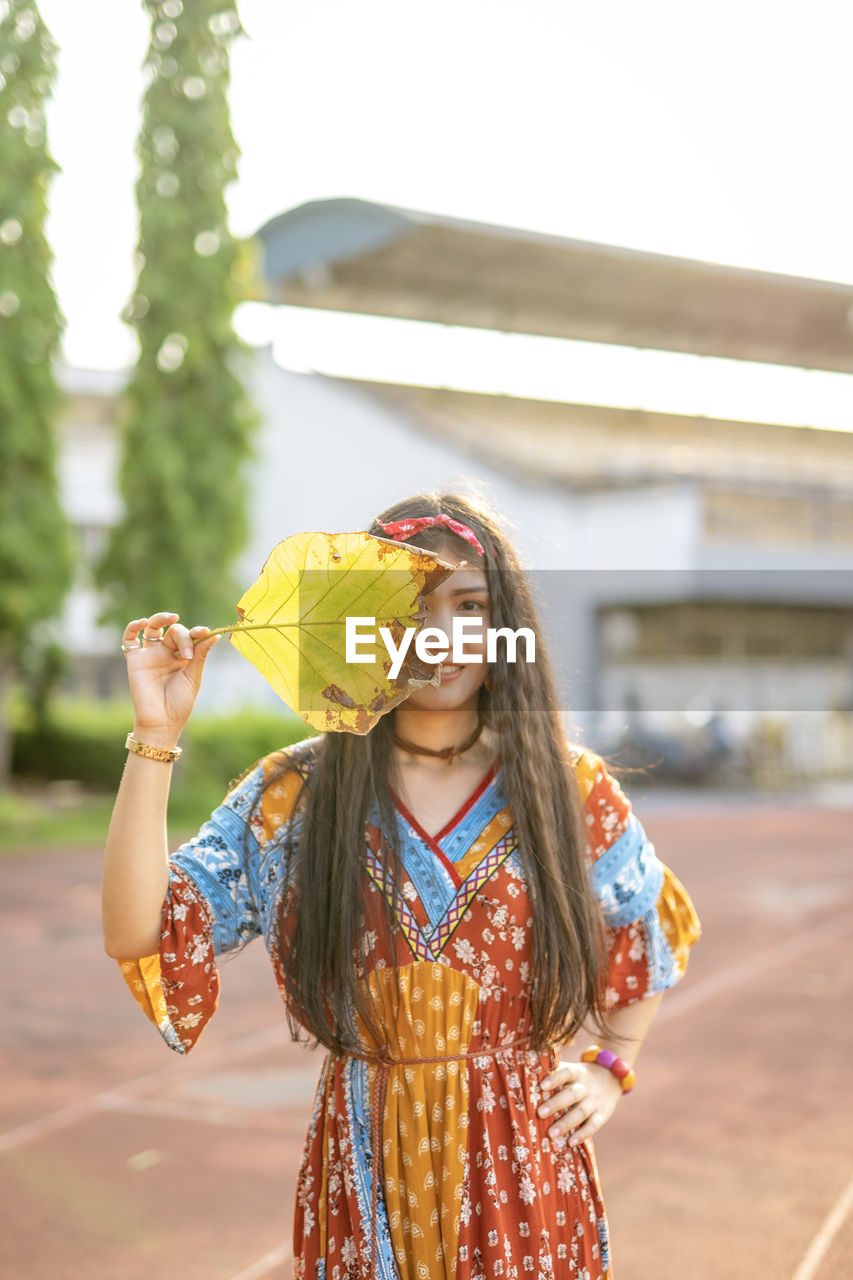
683 564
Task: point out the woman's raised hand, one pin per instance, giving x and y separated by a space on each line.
164 674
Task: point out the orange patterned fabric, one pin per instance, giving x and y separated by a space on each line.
465 1183
178 989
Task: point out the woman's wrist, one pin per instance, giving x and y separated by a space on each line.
163 736
618 1067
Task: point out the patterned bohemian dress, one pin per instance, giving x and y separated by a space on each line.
467 1184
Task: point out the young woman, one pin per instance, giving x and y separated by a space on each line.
447 901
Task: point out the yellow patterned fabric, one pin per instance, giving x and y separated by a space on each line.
425 1125
143 978
485 843
678 918
587 771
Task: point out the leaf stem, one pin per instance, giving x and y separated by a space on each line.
278 626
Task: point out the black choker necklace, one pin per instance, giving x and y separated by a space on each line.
444 753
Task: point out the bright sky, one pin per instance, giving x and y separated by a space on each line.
708 131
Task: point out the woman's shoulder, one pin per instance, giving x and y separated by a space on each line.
269 789
590 768
299 756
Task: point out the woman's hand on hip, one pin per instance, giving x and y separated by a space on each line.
586 1095
164 672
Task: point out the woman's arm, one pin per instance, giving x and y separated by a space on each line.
164 678
651 928
631 1021
136 874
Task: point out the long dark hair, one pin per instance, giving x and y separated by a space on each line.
317 949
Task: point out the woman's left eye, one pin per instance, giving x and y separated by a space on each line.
478 604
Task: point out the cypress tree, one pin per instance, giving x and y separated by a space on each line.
187 423
35 543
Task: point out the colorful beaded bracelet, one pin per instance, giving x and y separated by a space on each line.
621 1070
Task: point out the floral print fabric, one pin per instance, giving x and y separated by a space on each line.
466 1183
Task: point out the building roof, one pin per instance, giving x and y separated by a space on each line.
354 255
580 446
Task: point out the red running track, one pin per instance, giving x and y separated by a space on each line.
733 1157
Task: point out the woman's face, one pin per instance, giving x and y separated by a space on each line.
463 594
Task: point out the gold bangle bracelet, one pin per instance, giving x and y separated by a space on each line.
166 754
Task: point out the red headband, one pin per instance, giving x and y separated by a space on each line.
399 530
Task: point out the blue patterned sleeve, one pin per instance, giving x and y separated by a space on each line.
222 861
650 918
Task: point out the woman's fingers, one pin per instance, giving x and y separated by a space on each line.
179 643
162 619
132 630
585 1100
590 1126
177 639
574 1116
203 642
563 1076
152 627
191 645
188 644
562 1073
572 1093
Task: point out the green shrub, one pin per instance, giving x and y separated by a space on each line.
223 747
84 742
79 741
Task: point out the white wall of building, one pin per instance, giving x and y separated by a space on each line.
638 528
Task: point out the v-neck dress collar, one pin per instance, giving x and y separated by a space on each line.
436 865
452 839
